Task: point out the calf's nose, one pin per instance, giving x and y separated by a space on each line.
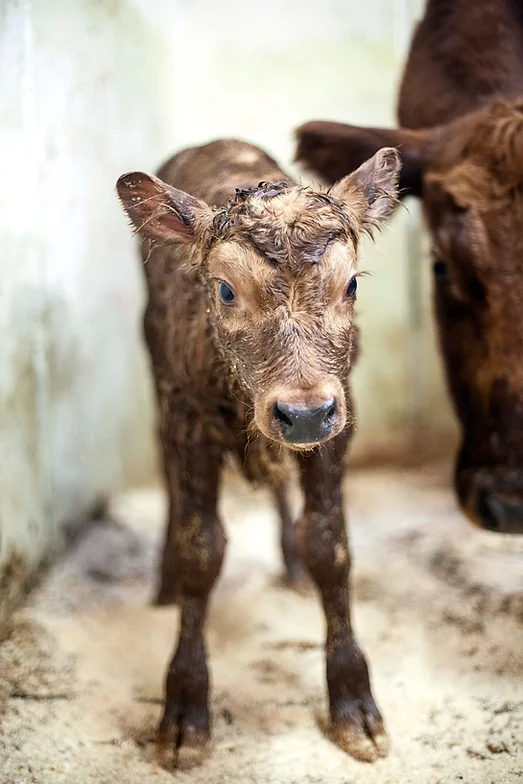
305 425
498 514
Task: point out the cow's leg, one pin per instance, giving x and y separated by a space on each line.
199 544
295 574
356 724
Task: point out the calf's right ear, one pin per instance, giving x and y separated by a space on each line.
372 190
158 211
334 150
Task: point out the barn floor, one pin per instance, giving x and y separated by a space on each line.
439 610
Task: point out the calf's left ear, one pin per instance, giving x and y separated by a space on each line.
372 190
160 212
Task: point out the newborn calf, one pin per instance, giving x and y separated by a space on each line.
250 324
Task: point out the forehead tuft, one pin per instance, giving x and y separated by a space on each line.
482 161
285 223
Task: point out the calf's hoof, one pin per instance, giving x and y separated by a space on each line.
301 583
360 731
183 740
297 578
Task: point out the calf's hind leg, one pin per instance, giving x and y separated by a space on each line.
167 591
356 724
295 574
199 542
168 588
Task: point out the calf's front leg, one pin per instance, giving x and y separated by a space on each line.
356 723
199 543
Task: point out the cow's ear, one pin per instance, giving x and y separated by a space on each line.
333 150
160 212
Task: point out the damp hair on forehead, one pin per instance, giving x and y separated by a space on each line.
285 224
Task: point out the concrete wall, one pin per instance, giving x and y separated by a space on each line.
78 100
92 88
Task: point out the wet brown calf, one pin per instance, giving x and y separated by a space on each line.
250 328
462 151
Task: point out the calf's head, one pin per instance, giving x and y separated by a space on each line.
279 267
470 176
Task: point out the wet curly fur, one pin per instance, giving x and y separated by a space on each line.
290 254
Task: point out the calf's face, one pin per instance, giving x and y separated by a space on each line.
279 267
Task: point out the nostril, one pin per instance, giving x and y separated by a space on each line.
501 514
330 410
281 417
487 511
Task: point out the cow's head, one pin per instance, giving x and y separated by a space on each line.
469 174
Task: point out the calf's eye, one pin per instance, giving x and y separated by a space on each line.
351 288
225 293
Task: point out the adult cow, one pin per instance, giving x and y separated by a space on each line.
461 141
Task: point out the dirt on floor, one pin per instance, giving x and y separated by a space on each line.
438 609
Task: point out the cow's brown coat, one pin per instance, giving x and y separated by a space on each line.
461 143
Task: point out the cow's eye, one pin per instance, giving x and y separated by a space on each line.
351 289
225 293
440 269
